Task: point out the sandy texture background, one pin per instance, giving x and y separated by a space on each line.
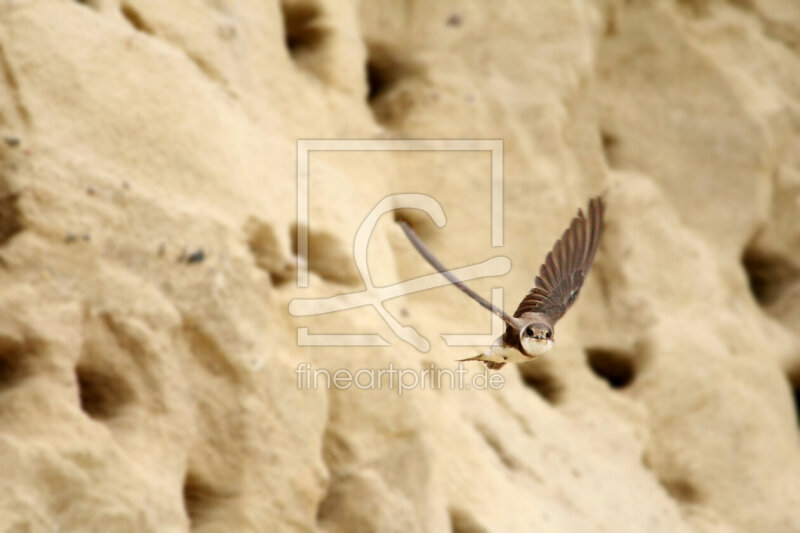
147 260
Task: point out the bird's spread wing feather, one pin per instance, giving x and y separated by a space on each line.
561 276
430 258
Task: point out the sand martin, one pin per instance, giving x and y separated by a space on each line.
529 333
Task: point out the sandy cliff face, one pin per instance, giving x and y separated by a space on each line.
148 363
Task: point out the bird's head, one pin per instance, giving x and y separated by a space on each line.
536 338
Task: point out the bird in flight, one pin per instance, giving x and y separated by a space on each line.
529 333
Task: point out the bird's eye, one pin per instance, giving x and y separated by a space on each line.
548 334
529 332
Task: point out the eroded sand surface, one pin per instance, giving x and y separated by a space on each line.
146 386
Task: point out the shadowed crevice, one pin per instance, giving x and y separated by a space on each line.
678 486
10 218
327 256
303 29
135 19
541 377
93 4
382 73
390 79
102 394
682 490
610 145
463 521
793 376
13 362
768 274
203 502
267 252
495 443
209 71
616 368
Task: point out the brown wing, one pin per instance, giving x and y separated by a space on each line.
430 258
561 276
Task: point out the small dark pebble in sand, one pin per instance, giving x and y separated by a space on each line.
12 141
196 257
454 20
73 237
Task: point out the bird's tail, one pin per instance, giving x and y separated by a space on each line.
478 357
482 358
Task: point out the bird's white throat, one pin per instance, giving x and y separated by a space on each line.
536 347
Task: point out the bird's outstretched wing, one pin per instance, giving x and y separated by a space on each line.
561 276
430 258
